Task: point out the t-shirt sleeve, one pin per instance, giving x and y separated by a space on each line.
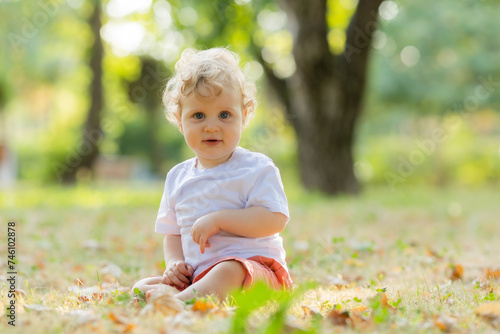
166 221
268 191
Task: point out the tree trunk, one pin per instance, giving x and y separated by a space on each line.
88 149
151 85
323 97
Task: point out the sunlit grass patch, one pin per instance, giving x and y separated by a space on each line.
77 263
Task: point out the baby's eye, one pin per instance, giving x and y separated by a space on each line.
198 115
224 115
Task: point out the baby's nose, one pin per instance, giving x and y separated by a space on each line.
211 126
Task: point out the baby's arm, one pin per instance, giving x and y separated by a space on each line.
177 271
253 222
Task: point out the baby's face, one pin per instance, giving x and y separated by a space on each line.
212 127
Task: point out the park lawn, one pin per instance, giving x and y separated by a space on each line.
404 260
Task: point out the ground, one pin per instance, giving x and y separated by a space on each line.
406 260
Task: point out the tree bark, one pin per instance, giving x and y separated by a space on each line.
323 97
88 148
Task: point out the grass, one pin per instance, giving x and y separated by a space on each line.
79 250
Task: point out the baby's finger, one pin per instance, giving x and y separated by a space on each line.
190 269
180 275
183 268
176 281
167 280
195 236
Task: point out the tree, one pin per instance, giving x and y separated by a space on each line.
92 132
323 98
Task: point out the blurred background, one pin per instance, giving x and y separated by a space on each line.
81 84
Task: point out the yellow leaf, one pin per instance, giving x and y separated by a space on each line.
457 273
489 312
385 302
202 306
445 323
492 274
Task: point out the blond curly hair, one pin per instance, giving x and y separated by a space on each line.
209 71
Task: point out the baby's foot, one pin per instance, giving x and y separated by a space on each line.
163 299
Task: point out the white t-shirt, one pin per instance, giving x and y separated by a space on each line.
247 179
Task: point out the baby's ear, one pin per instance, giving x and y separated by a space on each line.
179 123
245 115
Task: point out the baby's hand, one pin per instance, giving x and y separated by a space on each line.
203 229
177 274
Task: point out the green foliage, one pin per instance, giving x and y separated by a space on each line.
466 153
46 94
259 295
455 50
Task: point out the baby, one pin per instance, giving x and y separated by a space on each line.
221 211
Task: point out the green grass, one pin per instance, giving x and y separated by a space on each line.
342 253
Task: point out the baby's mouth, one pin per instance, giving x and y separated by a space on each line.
212 141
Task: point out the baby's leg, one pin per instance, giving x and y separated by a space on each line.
223 278
146 284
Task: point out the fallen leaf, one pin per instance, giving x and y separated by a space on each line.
338 318
202 306
492 274
445 323
358 310
489 312
432 253
457 272
20 293
129 328
118 319
385 302
353 317
310 311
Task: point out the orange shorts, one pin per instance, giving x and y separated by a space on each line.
259 268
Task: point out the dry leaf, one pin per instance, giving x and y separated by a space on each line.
20 293
492 274
489 312
202 306
352 318
385 302
121 320
339 318
118 319
310 311
358 310
432 253
457 273
445 323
